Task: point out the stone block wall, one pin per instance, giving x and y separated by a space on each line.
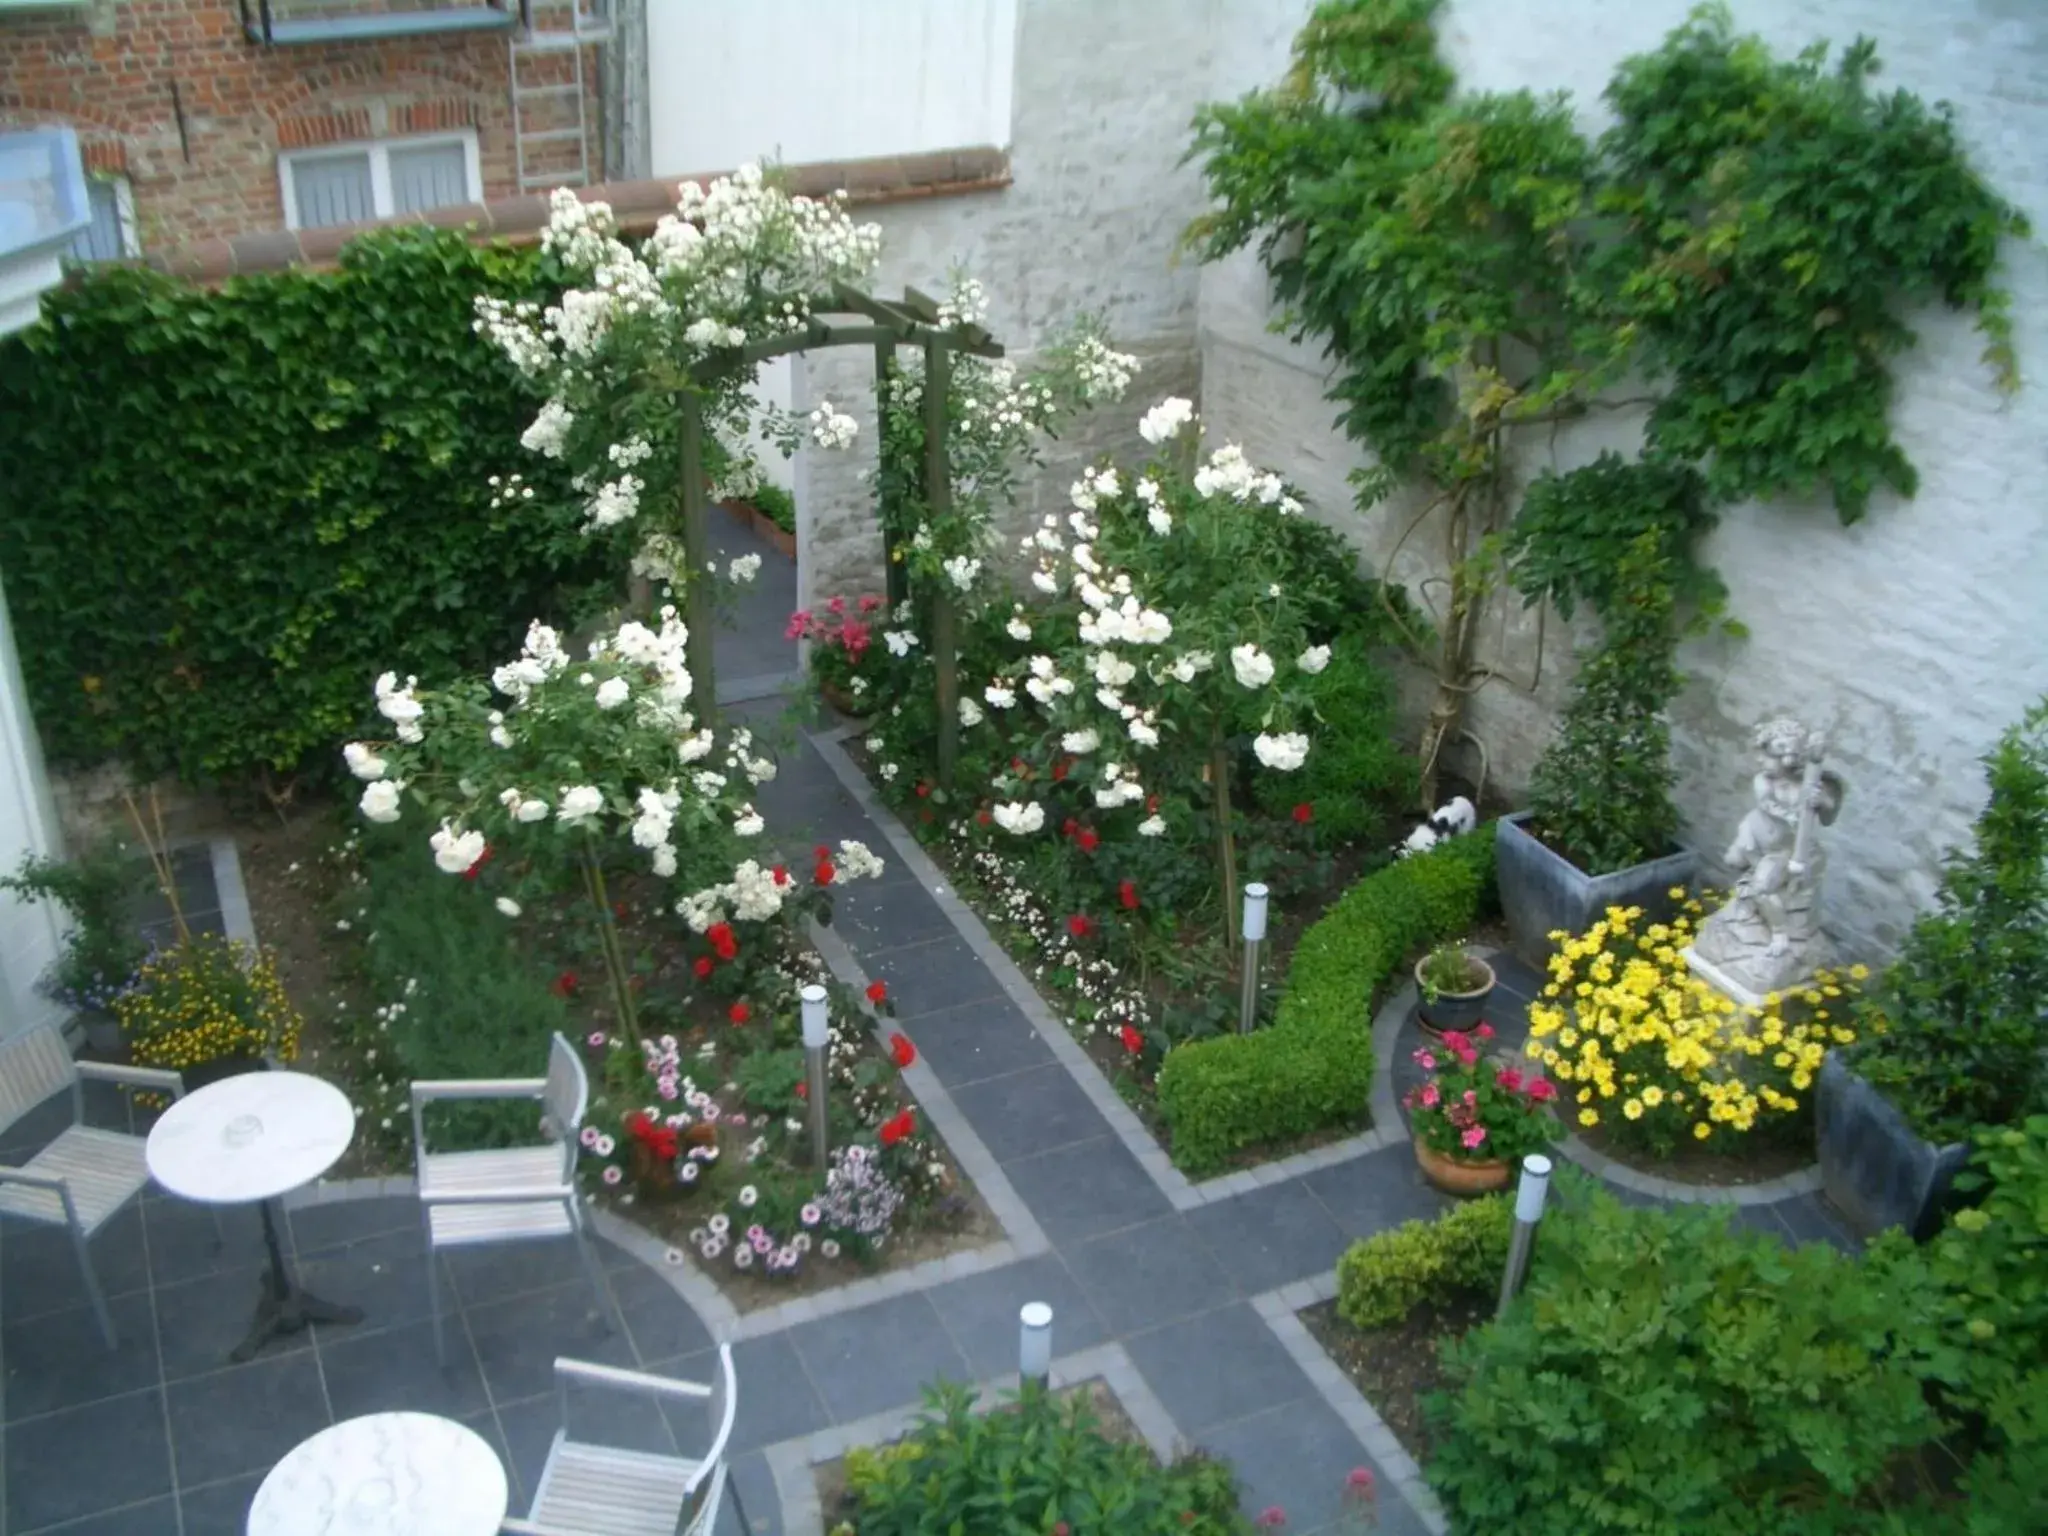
1913 638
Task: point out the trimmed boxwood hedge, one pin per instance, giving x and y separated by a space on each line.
1313 1068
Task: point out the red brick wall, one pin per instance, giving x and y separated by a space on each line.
106 69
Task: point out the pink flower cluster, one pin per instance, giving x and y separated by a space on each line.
837 627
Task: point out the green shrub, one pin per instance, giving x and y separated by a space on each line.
1358 767
775 504
1665 1371
1382 1278
1039 1463
1313 1068
226 510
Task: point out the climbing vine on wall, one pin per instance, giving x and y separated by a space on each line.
221 511
1748 239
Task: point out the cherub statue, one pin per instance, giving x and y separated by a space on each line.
1767 936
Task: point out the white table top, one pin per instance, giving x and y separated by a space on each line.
250 1137
387 1474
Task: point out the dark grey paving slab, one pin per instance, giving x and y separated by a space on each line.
153 1518
245 1418
877 1356
1217 1366
661 1323
1810 1219
200 1321
385 1276
753 1487
980 1312
1085 1190
619 1419
978 1041
1270 1236
1295 1458
219 1509
1511 973
881 915
517 1340
1764 1219
928 977
39 1267
1380 1190
485 1275
1144 1276
59 1360
316 1228
184 1244
372 1372
85 1461
777 1400
1030 1112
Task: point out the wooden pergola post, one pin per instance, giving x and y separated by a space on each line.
938 501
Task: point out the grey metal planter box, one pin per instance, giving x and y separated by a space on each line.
1874 1167
1541 893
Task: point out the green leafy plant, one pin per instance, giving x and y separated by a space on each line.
1475 1111
1450 968
1601 793
1664 1370
1383 1278
223 508
97 890
1035 1463
208 999
1748 237
775 504
1954 1031
1313 1068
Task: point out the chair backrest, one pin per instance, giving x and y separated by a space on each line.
33 1065
564 1100
709 1478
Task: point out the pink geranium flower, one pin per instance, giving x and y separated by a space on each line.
1473 1137
1425 1060
1430 1096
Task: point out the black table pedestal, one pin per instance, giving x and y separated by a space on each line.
284 1307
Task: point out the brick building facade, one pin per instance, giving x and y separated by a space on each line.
185 120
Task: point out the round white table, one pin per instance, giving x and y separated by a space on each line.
252 1138
386 1474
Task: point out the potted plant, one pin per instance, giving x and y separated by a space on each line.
842 636
97 891
209 1008
1472 1120
1954 1033
1601 829
1454 985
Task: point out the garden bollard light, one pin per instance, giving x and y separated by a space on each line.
1529 1193
1034 1342
1254 932
817 1036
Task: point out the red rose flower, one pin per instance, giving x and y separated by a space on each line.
901 1050
1133 1041
923 790
1089 840
781 874
982 818
619 910
1079 926
821 853
481 860
564 984
1060 768
1069 827
703 967
803 1090
878 991
898 1126
1304 813
823 873
1127 893
739 1012
720 937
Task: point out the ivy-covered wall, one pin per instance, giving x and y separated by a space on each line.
1914 636
224 512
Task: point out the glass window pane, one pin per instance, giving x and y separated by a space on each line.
333 189
101 239
428 176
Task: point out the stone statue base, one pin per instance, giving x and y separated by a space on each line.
1797 969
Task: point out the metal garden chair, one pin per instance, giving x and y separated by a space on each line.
598 1490
86 1175
512 1194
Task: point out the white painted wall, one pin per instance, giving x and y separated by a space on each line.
1914 637
29 932
810 80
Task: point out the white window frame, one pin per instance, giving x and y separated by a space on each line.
124 211
379 151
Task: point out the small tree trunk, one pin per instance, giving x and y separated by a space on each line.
696 551
895 574
1226 845
1454 653
614 952
946 662
938 501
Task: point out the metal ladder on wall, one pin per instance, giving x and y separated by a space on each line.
550 123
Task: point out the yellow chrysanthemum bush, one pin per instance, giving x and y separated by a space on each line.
208 999
1641 1046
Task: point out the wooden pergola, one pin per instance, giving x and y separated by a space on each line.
884 325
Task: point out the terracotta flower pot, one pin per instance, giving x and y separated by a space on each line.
1454 1177
700 1134
845 703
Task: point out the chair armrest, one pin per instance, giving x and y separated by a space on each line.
587 1374
54 1185
501 1196
155 1078
514 1526
480 1088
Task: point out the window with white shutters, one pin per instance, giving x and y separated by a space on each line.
354 183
